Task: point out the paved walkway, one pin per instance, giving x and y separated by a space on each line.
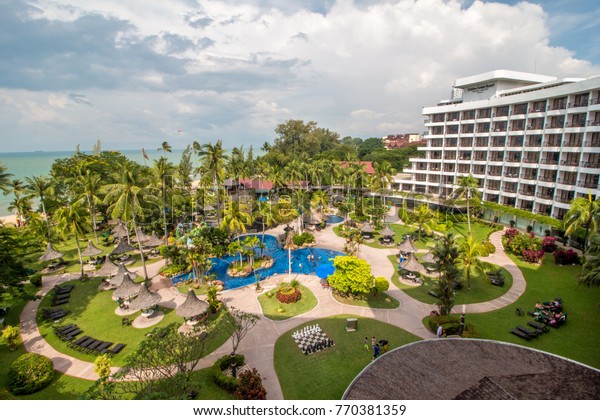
258 345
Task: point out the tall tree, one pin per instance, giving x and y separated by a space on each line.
162 170
214 159
423 217
237 323
126 199
73 220
39 186
469 252
5 182
592 262
89 185
447 254
236 216
165 147
468 188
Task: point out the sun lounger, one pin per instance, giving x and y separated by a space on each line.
64 328
80 340
520 333
65 288
71 335
117 348
57 315
93 345
538 326
103 346
528 331
57 302
61 295
83 345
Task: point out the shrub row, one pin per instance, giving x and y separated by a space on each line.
225 382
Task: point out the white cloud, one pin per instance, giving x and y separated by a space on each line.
234 71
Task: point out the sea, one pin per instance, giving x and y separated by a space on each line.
28 164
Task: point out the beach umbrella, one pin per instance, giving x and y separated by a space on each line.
120 231
407 245
144 300
140 236
121 248
325 270
127 289
119 276
50 254
412 264
192 306
153 241
107 269
387 232
367 228
91 250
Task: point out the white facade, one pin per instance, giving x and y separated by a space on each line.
532 141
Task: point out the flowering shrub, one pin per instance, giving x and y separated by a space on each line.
523 242
549 244
532 256
566 257
288 294
511 233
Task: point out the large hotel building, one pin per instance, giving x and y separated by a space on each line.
531 141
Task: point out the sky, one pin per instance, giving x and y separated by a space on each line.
135 73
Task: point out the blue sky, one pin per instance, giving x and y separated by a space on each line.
136 73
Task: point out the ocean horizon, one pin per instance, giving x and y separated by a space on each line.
28 164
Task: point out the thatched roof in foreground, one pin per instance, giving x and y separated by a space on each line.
119 276
144 300
50 254
459 368
192 306
127 289
387 231
412 264
407 245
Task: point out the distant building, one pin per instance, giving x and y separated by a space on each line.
367 165
531 141
397 141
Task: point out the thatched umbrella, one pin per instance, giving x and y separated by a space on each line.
140 236
120 231
153 241
412 264
367 228
91 250
121 248
107 269
428 258
118 278
192 307
407 246
127 289
387 232
144 300
50 254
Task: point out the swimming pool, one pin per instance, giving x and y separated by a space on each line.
333 219
301 263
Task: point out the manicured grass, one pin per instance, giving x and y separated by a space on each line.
270 305
379 301
480 231
481 289
202 290
325 375
94 312
577 339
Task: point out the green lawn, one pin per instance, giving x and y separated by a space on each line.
94 312
481 289
270 304
379 301
325 375
577 339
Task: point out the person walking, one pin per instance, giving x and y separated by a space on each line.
373 341
375 351
366 343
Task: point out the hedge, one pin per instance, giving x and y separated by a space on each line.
228 383
30 373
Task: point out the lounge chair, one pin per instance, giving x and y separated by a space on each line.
79 341
64 328
103 346
520 333
71 335
530 332
93 345
57 302
538 326
117 348
83 345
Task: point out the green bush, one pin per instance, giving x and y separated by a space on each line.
228 383
30 373
488 249
36 279
288 293
451 324
303 238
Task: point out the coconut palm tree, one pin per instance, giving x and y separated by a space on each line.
214 159
89 184
39 186
236 217
467 189
163 169
320 200
250 243
5 180
423 217
22 205
127 198
583 213
447 255
73 220
592 261
469 252
266 214
165 147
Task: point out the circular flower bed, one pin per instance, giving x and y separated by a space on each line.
288 294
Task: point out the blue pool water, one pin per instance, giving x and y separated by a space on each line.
332 219
301 264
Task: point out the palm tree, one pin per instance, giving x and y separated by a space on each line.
583 213
467 189
165 147
320 199
39 186
89 184
126 199
267 216
469 253
447 255
72 220
22 205
213 161
251 242
423 218
5 182
592 261
236 217
163 169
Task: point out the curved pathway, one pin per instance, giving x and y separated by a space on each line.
258 346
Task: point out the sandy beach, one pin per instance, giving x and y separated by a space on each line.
9 220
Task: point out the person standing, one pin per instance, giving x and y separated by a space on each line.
375 351
373 341
366 343
440 331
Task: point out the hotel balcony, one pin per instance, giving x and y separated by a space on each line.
588 184
592 143
569 163
563 199
590 164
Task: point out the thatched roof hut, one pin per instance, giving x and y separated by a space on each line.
407 245
153 241
121 248
412 264
91 250
119 276
51 254
127 289
367 228
144 300
107 269
192 306
140 236
428 258
439 370
387 232
120 230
